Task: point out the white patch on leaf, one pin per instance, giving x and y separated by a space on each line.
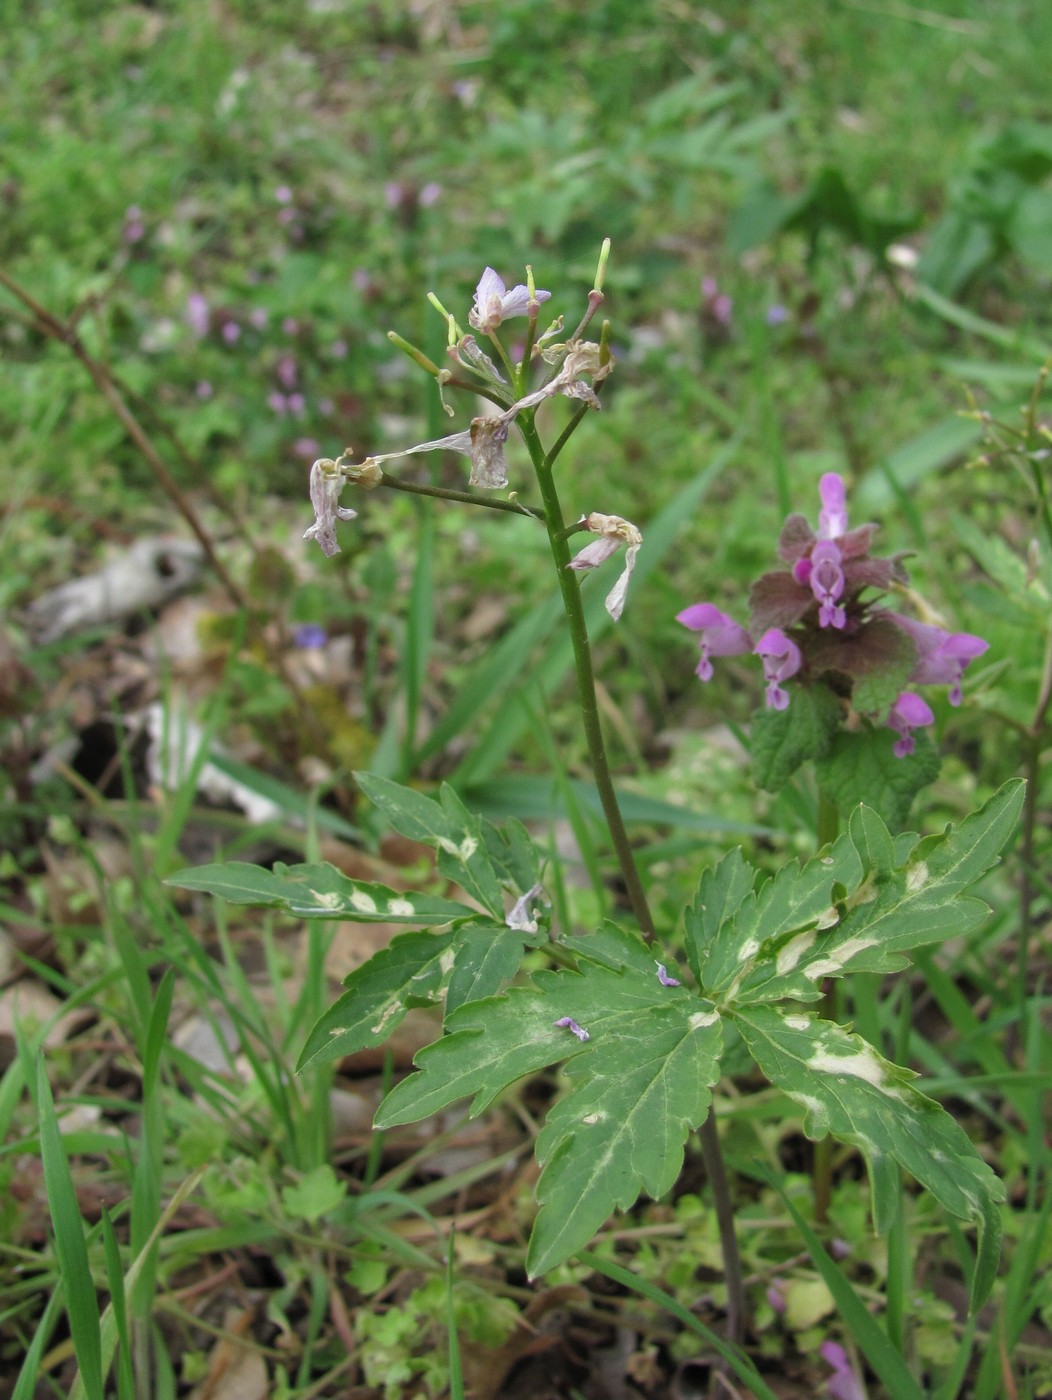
916 877
701 1019
591 1118
823 967
793 951
798 1023
327 901
391 1009
749 949
401 907
863 1064
364 903
829 918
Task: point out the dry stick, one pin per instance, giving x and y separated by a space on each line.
103 380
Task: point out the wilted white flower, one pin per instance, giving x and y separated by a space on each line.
613 532
488 467
326 483
580 357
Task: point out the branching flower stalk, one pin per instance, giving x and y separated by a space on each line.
505 384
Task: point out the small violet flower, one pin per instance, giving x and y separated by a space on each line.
843 1384
941 656
571 1025
326 483
908 713
720 634
665 979
832 518
613 532
826 578
520 917
781 659
495 304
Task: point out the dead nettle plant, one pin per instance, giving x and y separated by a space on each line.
640 1038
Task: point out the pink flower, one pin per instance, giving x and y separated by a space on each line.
908 713
781 659
941 656
832 518
568 1023
720 634
826 578
494 304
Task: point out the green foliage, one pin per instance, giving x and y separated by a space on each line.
863 764
781 741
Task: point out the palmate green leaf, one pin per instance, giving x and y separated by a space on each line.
781 740
622 1128
318 891
847 1089
893 905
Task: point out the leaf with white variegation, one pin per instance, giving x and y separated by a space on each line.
890 907
847 1089
622 1128
318 891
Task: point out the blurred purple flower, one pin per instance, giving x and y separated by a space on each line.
310 635
430 194
832 518
278 403
231 332
908 713
197 315
781 659
393 192
306 448
290 325
777 315
283 194
258 318
134 228
287 216
204 389
776 1297
287 372
843 1384
720 634
361 279
297 405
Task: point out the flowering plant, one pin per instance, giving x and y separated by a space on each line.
819 623
640 1016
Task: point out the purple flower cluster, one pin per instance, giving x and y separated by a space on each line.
812 621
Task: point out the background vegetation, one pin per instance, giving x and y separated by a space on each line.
832 230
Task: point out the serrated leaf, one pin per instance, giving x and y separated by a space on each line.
847 1089
785 911
411 813
513 853
494 1042
719 897
484 958
621 1129
409 971
863 766
889 908
318 891
464 857
781 740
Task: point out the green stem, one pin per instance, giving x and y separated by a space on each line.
471 498
571 595
822 1168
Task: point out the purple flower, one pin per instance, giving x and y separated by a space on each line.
307 448
310 635
297 405
941 656
259 317
781 659
495 304
665 979
720 634
231 332
826 578
775 1296
843 1384
290 325
286 372
832 518
278 403
777 315
430 194
134 227
571 1025
204 389
908 713
283 194
338 349
197 317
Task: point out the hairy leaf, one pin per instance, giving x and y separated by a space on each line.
847 1089
864 766
318 892
781 740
